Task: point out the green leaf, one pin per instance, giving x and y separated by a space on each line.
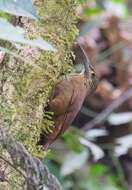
16 34
71 137
83 1
98 170
19 8
5 15
117 1
93 11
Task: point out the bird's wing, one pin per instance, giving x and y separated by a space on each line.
62 97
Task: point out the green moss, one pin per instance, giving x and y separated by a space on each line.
30 83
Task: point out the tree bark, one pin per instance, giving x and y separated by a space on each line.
25 85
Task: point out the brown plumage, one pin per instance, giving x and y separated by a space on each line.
67 99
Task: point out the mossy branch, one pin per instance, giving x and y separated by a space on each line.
36 174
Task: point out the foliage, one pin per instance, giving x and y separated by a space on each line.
18 36
71 138
19 8
87 177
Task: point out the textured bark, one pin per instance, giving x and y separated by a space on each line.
25 85
35 173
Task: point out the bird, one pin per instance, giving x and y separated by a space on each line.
67 98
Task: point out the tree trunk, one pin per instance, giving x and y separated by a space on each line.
26 82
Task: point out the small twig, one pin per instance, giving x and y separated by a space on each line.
106 112
13 166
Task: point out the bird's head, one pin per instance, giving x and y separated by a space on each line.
82 58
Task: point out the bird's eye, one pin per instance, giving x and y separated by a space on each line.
93 74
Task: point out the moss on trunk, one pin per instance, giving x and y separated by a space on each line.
27 84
